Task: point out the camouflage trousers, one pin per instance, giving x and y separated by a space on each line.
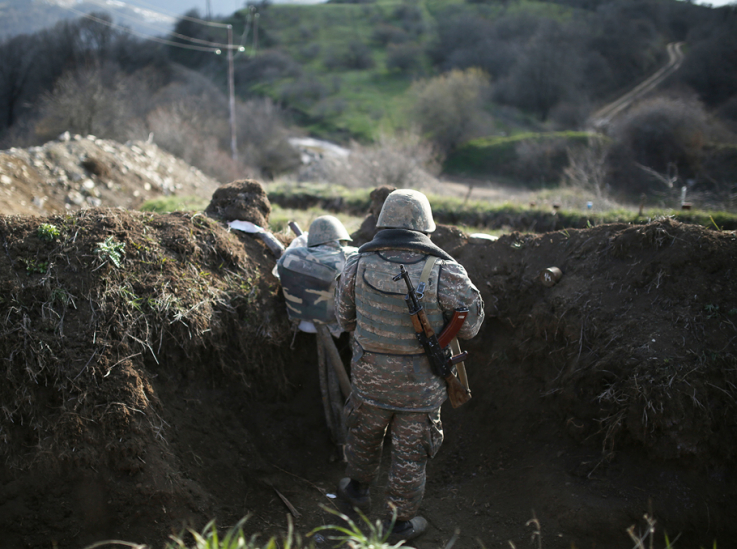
416 437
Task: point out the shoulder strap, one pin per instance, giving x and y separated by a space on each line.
427 269
425 275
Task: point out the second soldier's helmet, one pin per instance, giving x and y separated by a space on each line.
406 209
326 228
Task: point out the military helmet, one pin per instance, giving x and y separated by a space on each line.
406 209
326 228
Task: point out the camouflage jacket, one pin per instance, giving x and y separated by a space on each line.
399 377
307 276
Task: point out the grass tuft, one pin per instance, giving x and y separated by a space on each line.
110 250
48 232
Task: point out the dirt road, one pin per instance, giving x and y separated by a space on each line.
604 116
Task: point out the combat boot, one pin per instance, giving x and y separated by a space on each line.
405 530
352 492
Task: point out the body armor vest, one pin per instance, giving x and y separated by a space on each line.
308 281
383 321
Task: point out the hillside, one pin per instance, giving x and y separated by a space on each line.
346 68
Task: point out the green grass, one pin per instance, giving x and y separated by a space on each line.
306 201
166 204
498 154
485 216
280 217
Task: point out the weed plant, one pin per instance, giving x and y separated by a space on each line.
48 232
110 250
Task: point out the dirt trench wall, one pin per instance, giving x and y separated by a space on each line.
134 395
102 312
635 345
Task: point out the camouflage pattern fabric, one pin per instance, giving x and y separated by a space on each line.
390 380
398 390
416 437
308 276
381 312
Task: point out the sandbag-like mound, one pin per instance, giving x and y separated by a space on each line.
243 200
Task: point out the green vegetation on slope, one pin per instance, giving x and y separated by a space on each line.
501 155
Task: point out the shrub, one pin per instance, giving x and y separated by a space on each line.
308 52
398 161
263 138
663 136
303 92
449 108
95 100
404 57
587 168
357 56
267 66
541 161
385 34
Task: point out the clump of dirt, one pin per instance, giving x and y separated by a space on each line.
76 172
243 200
149 383
368 228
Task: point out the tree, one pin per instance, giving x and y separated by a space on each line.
17 66
92 100
659 136
547 73
449 108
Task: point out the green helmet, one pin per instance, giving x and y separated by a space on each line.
326 228
406 209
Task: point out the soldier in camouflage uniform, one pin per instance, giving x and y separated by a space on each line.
307 271
393 384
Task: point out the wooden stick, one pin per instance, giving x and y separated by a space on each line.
286 502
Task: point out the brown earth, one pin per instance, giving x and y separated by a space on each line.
164 392
76 172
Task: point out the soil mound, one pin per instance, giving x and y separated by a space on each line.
149 383
243 200
78 172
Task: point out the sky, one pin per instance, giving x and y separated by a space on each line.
226 7
219 7
154 21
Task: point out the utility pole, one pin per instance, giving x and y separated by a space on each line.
255 32
209 11
231 91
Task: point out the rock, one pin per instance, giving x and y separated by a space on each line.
75 197
243 200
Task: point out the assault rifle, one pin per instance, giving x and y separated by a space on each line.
436 347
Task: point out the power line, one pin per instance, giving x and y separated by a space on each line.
212 47
124 15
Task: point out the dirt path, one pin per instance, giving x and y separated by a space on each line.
604 116
480 189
